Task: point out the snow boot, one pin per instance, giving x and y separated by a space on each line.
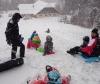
69 52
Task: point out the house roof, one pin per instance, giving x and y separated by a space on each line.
34 8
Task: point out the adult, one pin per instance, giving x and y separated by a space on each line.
13 37
89 46
92 43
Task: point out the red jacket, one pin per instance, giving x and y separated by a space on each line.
89 48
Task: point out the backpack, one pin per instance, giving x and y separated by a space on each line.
54 78
96 51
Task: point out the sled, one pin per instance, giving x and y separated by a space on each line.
49 53
30 43
89 59
41 49
44 80
11 64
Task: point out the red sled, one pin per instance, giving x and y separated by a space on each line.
39 80
49 53
31 44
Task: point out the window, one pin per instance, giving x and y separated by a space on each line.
54 14
40 15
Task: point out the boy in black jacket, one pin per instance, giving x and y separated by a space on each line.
48 46
13 37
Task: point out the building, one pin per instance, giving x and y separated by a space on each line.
38 9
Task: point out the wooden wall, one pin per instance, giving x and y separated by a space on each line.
49 15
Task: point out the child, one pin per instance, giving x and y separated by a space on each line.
77 49
36 39
48 46
54 77
51 76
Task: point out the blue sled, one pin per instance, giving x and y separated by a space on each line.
89 59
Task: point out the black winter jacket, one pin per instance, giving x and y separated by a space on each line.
48 46
12 31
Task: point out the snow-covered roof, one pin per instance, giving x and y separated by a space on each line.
34 8
26 8
53 4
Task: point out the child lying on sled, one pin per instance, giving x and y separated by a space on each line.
52 76
77 49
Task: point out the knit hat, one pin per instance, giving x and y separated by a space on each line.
16 16
34 31
48 68
95 30
86 38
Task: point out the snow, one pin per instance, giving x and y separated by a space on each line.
64 37
34 8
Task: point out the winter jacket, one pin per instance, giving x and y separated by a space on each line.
36 40
32 36
12 31
84 44
48 46
89 48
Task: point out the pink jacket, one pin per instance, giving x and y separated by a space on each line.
89 48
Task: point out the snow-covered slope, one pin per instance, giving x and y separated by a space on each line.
64 37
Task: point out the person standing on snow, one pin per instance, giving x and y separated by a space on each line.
13 37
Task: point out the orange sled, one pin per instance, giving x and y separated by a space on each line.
65 80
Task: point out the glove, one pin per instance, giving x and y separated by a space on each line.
19 36
9 42
21 39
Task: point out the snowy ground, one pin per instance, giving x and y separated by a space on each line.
64 36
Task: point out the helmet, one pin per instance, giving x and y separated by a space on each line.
48 38
54 77
16 16
86 38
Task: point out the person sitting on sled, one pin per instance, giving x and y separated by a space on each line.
48 46
89 49
36 39
77 49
